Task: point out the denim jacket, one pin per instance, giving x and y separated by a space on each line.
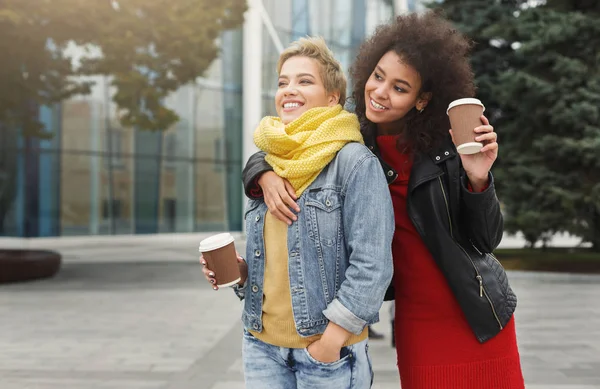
339 249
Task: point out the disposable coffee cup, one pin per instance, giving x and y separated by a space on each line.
465 115
220 256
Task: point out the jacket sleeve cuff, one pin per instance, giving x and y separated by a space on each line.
255 191
342 316
240 291
470 187
255 167
475 200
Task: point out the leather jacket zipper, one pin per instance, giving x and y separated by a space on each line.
490 254
482 291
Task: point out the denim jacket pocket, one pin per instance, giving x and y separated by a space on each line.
324 216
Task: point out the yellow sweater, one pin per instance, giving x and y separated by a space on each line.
279 328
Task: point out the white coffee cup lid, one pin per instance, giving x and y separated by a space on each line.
469 148
463 102
216 242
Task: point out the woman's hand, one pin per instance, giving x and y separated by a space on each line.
327 348
280 197
477 166
320 351
211 276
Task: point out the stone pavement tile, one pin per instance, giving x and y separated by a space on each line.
591 365
562 387
377 385
581 373
65 383
546 376
535 361
237 366
119 384
228 385
65 374
214 365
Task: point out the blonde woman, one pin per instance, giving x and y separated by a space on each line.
312 286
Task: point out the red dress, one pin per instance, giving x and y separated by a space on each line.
435 346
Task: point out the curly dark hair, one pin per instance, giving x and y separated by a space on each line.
439 53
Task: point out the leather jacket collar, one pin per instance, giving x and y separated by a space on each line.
426 166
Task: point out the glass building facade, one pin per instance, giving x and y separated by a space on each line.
92 176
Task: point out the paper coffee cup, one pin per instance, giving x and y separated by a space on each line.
220 256
465 115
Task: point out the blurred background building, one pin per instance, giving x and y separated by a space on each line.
94 177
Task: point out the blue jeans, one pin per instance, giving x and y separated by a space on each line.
272 367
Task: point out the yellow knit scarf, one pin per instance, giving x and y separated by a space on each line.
300 150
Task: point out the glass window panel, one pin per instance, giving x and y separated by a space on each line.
211 168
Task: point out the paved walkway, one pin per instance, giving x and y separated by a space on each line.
134 313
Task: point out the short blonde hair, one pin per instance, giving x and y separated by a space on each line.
332 74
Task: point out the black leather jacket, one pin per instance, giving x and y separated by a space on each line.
460 229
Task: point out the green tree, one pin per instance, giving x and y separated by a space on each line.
149 48
551 141
492 55
537 69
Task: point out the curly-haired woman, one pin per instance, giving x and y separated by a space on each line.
454 323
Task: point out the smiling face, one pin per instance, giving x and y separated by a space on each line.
392 91
300 88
